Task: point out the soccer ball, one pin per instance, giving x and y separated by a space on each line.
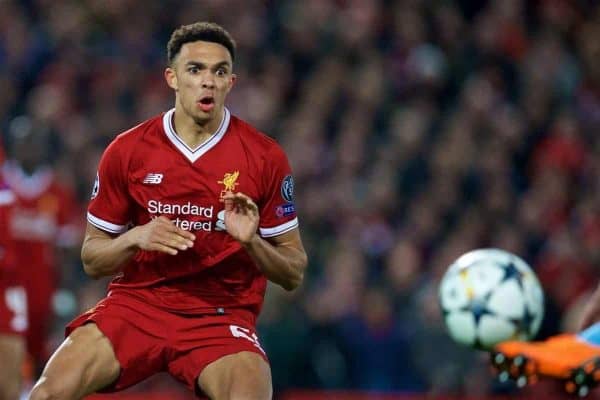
489 296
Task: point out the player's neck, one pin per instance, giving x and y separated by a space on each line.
193 133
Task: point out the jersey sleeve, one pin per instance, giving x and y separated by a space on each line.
109 208
277 207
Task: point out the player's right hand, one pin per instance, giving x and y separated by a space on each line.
162 235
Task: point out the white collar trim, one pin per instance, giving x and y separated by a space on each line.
28 186
187 151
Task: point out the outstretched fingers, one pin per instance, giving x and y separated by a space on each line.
164 236
240 203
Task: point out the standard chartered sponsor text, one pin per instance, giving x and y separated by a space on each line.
157 208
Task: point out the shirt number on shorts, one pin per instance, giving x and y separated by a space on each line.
239 332
16 301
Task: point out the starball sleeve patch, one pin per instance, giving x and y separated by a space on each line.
287 188
96 187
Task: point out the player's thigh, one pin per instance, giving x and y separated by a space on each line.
12 355
240 376
84 363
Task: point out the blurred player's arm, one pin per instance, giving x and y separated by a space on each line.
282 259
103 254
591 311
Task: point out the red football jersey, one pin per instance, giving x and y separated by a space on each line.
149 171
44 215
13 300
6 249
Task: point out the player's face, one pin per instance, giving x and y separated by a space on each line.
202 76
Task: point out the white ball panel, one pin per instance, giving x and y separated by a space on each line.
492 330
483 254
483 277
468 259
461 325
507 300
534 296
535 325
453 294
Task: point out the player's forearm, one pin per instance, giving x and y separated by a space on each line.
104 256
280 264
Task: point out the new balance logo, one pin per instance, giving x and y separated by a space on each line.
153 179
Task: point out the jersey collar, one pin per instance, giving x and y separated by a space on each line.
187 151
25 185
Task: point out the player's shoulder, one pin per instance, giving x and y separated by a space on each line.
128 143
133 135
251 136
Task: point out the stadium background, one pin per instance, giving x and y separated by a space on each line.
417 130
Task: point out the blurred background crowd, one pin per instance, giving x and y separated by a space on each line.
417 130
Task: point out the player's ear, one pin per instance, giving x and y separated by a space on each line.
171 78
232 81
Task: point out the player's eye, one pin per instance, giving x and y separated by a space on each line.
221 72
193 70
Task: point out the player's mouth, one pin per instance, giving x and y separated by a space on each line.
206 103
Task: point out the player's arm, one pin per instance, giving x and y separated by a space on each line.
282 259
103 254
591 311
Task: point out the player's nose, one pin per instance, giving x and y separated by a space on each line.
208 83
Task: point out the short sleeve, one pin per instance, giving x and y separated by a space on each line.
110 204
277 207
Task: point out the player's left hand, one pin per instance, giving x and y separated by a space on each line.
241 216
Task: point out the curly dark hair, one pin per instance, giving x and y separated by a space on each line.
204 31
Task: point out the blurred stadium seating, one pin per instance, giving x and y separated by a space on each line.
417 130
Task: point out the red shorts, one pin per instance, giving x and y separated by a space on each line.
13 308
147 339
40 284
